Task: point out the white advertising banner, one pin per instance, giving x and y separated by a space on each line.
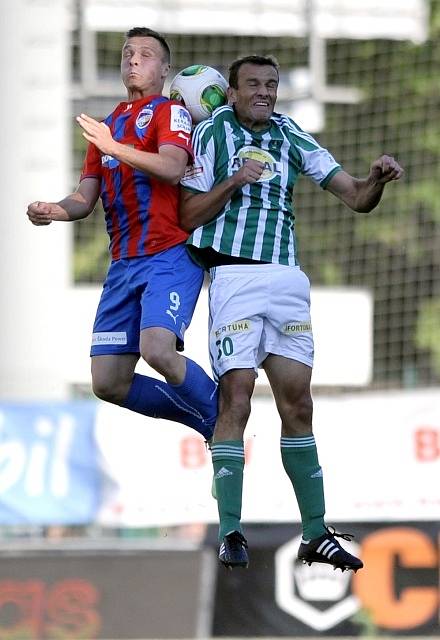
332 18
380 455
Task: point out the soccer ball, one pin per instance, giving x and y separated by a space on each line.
201 89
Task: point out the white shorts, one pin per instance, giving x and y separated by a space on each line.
255 310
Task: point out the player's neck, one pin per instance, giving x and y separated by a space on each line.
138 94
255 125
251 124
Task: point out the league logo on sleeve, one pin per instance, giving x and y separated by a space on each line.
180 119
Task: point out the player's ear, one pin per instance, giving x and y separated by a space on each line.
165 69
231 94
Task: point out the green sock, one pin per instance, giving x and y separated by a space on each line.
300 460
228 463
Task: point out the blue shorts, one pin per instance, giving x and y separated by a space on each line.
159 290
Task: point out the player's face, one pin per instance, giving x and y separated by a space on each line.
255 98
143 66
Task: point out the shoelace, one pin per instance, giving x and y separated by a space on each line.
345 536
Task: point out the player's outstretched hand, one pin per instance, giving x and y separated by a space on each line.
96 132
385 169
249 173
43 213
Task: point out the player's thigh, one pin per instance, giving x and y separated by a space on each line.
288 378
116 326
235 325
172 293
290 382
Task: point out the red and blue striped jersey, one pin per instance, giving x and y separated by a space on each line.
141 212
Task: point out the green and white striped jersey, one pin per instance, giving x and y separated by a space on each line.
258 222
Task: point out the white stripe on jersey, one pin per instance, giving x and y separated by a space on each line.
219 226
197 236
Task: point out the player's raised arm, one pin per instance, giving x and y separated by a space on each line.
364 194
73 207
167 165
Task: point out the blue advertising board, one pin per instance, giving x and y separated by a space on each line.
49 471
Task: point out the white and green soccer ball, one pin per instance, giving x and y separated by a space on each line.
201 89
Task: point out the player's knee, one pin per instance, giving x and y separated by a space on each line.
110 391
297 409
159 358
304 409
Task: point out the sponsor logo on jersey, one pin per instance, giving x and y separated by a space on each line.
109 161
192 171
272 168
109 337
180 119
144 117
240 326
290 328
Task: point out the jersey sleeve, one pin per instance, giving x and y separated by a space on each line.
317 162
92 163
319 165
173 126
199 176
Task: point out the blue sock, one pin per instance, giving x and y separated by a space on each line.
199 391
157 399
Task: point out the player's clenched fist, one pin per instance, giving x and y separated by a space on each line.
43 213
385 169
249 173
